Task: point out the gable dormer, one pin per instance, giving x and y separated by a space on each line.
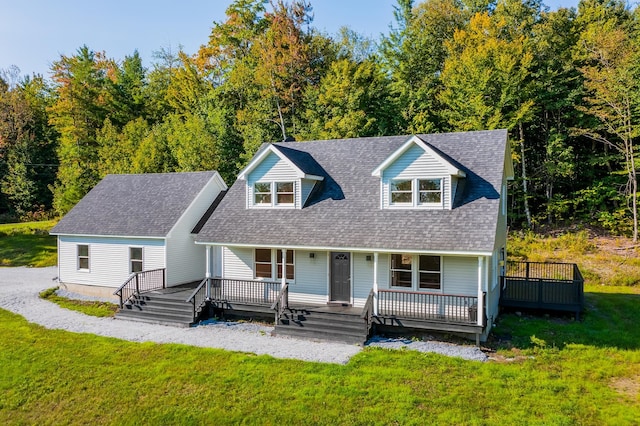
416 176
274 179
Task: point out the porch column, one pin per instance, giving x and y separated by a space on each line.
375 283
208 271
479 309
284 268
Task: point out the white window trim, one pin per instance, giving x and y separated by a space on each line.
273 188
88 256
415 273
415 194
136 260
274 266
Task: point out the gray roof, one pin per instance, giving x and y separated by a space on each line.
143 205
345 211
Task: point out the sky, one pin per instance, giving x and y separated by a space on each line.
35 33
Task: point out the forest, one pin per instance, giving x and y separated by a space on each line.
565 83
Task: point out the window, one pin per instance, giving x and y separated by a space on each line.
401 270
402 191
262 193
83 256
268 264
263 263
430 191
429 273
284 192
135 259
422 272
290 265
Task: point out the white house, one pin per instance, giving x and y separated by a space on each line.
416 222
132 223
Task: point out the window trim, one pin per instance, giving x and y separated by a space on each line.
415 193
415 273
275 255
420 271
273 194
132 260
79 257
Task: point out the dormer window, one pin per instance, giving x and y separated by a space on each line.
416 192
268 194
430 191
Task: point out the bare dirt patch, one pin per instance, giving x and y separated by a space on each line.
627 386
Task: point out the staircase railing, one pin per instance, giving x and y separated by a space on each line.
282 302
141 282
367 311
198 298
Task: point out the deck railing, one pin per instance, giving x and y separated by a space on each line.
367 311
282 302
198 298
263 293
536 285
141 282
428 306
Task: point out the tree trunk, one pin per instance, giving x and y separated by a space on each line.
525 189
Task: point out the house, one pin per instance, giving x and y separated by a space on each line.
132 223
404 231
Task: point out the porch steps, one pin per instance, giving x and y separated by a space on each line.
158 308
327 325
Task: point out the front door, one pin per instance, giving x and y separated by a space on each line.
340 277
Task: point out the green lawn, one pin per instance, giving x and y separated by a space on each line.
28 244
546 370
96 309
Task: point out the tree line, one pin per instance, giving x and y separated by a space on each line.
564 83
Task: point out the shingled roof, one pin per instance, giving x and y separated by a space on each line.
142 205
345 212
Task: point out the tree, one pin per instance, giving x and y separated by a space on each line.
612 79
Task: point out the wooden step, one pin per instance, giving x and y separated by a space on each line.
333 326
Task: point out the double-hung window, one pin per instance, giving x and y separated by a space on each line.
416 192
273 193
268 264
135 259
83 257
417 272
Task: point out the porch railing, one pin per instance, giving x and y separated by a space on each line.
263 293
367 311
198 298
282 302
428 306
537 285
141 282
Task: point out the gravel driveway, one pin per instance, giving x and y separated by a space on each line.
19 288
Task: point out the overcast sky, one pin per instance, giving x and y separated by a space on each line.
34 33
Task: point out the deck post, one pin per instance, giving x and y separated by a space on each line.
479 310
375 283
284 268
208 272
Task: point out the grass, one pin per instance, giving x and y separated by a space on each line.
28 244
545 370
96 309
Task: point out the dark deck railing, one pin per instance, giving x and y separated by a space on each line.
367 311
282 302
141 282
538 285
262 293
428 306
198 298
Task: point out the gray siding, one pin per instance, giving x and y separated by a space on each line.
311 278
108 259
237 263
307 187
362 280
460 275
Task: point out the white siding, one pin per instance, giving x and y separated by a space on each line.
108 259
186 261
237 263
384 274
446 194
460 275
274 169
362 279
311 284
307 187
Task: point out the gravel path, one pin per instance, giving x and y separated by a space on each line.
19 288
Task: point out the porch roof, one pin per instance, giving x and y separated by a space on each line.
346 209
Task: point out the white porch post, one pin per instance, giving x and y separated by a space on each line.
284 268
480 298
375 283
208 271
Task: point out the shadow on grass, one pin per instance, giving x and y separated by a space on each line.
27 250
609 320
